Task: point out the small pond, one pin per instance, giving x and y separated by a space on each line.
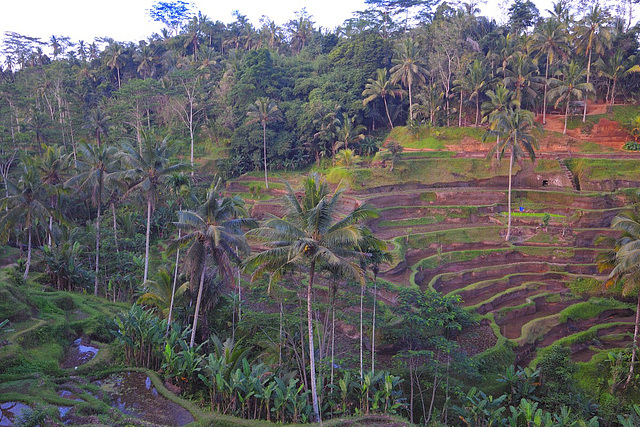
134 395
9 411
80 353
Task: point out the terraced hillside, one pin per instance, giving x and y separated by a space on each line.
452 241
447 233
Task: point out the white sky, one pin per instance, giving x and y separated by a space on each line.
128 20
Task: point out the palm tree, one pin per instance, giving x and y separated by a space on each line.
381 87
627 265
522 78
570 85
147 171
146 58
23 205
114 57
160 293
431 103
376 253
346 132
518 131
179 188
98 124
214 231
550 40
615 67
311 235
500 100
593 35
52 166
409 68
473 83
95 164
264 111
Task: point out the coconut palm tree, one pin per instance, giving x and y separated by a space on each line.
52 166
593 36
551 40
381 87
161 293
311 235
627 265
518 131
114 57
409 68
522 78
179 188
98 124
24 205
96 163
213 232
376 253
571 85
615 67
474 82
264 111
147 171
347 132
500 100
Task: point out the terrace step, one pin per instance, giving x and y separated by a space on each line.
572 178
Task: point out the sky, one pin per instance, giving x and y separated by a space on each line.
128 20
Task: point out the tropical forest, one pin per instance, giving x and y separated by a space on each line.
421 217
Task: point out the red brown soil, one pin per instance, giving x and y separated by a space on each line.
477 339
605 132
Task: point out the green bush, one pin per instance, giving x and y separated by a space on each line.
632 146
12 308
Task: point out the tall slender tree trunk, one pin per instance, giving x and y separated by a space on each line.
566 114
95 285
544 98
146 251
333 337
635 344
410 105
386 108
373 326
509 196
361 334
50 231
312 358
584 114
198 301
264 152
613 94
115 226
173 288
191 132
477 109
411 392
460 112
26 268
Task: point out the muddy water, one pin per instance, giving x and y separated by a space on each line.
9 411
134 395
80 353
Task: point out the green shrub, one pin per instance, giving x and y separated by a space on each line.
11 308
632 146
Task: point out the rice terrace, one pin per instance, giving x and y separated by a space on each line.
421 217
